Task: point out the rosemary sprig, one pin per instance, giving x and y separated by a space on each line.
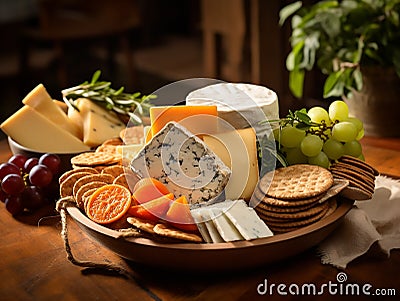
103 94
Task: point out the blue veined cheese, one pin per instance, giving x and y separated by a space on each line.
184 163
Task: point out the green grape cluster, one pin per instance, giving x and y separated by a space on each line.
319 136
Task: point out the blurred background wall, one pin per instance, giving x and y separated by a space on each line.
142 45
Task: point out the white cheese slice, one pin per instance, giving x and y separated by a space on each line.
224 226
242 105
184 163
247 221
212 230
201 226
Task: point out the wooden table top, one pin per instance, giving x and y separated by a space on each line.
33 263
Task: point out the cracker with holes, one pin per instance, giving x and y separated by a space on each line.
67 185
93 159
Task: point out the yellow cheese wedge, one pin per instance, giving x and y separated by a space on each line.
98 123
32 130
197 119
41 101
238 150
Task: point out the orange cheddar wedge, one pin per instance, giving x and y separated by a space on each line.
198 120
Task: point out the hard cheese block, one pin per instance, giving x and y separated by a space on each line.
241 105
183 163
41 101
229 221
238 150
197 119
32 130
98 123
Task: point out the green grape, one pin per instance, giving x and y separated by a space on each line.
360 134
338 110
295 156
357 123
318 114
333 149
361 157
291 136
321 160
344 131
353 148
311 145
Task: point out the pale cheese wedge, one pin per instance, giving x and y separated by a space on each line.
32 130
98 123
41 101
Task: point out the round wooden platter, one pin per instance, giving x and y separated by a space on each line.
213 257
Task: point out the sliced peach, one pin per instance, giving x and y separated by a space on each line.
153 210
148 189
179 216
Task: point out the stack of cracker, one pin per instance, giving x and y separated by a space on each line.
92 170
293 197
361 177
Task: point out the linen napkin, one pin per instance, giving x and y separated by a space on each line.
372 222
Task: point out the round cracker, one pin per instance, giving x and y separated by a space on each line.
67 186
296 181
291 209
360 163
114 170
142 224
81 191
92 159
167 231
86 196
79 169
91 178
294 215
297 223
113 141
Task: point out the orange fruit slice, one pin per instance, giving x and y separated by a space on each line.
108 203
148 189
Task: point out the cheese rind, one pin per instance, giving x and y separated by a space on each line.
238 150
242 105
98 123
32 130
41 101
183 163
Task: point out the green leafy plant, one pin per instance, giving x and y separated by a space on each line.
122 103
340 38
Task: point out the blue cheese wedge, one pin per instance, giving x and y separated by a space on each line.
184 164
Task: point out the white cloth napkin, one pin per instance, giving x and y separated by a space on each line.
375 221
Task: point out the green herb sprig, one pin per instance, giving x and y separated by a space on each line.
122 103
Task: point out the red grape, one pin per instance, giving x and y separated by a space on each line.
40 175
3 195
14 204
7 169
32 198
12 184
18 160
52 161
30 163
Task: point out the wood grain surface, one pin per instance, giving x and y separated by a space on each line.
34 266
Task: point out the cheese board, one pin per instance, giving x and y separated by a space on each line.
194 257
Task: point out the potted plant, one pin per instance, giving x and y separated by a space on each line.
356 45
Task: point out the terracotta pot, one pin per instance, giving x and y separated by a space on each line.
378 104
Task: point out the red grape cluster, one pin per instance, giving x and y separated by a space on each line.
29 183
